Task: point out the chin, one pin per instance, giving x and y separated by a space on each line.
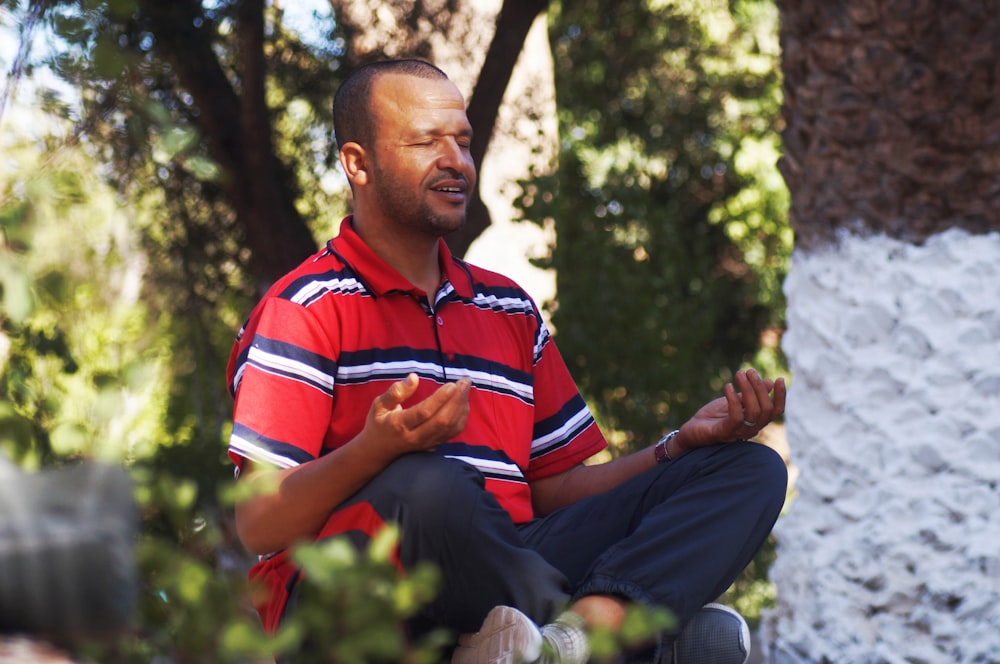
443 226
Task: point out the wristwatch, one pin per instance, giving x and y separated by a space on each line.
660 450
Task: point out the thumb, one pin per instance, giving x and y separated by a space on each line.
399 392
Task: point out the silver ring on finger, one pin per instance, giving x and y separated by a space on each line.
748 423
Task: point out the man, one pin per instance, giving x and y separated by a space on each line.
388 381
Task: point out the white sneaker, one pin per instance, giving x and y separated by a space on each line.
506 637
510 637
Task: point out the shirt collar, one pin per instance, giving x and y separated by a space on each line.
380 277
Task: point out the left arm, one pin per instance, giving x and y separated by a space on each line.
743 410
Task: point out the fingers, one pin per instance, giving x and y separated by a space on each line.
398 392
762 400
779 398
426 424
733 403
444 401
444 413
756 397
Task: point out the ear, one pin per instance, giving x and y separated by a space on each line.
354 161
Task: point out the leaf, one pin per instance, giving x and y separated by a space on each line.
15 432
121 9
69 439
17 302
203 168
109 59
175 140
13 223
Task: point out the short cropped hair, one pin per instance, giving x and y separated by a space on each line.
352 117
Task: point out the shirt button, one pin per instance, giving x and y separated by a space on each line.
440 321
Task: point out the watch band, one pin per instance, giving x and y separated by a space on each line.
660 450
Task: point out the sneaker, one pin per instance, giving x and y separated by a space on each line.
510 637
716 635
564 641
506 637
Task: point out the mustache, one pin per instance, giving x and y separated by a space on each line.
452 177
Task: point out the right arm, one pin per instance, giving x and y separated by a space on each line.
293 504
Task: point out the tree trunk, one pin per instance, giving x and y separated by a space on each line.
893 117
238 131
889 551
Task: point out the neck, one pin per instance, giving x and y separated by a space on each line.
414 257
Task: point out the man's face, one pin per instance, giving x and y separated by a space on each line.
422 171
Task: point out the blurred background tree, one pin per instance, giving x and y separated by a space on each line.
180 157
670 234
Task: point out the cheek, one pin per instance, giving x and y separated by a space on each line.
471 169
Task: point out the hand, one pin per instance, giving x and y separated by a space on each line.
745 409
424 425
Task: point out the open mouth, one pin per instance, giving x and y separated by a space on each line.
454 190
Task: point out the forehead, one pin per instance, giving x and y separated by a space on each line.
414 101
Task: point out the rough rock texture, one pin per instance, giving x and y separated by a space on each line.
891 550
892 111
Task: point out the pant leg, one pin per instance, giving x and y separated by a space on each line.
676 536
447 517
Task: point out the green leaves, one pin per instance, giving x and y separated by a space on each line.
17 302
173 140
109 60
353 605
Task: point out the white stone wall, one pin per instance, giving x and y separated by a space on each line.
890 552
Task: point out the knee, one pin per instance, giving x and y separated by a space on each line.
752 471
430 484
769 470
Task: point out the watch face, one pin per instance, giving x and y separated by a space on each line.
660 450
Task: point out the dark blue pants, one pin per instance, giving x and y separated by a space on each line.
676 536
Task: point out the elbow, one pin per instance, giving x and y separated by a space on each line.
254 538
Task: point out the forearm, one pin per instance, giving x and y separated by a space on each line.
293 504
583 481
300 500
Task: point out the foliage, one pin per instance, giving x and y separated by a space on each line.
668 213
670 216
335 624
88 373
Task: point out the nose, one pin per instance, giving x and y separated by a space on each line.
454 156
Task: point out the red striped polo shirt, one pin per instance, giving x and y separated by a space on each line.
334 333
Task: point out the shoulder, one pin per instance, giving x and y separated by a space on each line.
324 273
487 283
321 274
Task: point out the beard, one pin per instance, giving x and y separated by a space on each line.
410 208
